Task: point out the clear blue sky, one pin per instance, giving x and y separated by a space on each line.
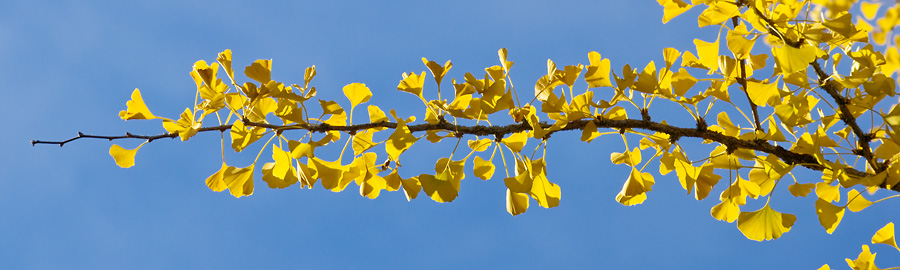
69 67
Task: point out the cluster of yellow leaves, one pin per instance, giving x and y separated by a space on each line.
787 99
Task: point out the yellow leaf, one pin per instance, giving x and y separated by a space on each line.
635 189
376 115
727 211
682 81
332 174
842 25
442 187
242 136
186 127
411 187
372 187
401 139
597 74
631 158
885 235
589 133
869 9
709 54
479 145
765 224
856 202
224 58
135 108
357 93
393 181
763 94
362 141
124 157
216 181
547 194
239 180
828 192
739 46
437 70
673 8
516 203
865 260
483 169
725 123
515 142
829 215
791 60
300 149
801 190
260 71
281 173
412 83
718 13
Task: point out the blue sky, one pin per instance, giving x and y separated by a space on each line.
71 66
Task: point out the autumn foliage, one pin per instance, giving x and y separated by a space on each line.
784 84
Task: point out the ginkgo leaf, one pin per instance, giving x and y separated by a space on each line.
437 70
717 12
765 224
186 126
763 94
791 60
842 24
801 190
856 202
242 136
708 53
726 210
441 187
124 157
515 142
547 194
635 189
516 203
135 108
224 58
739 46
357 93
885 235
828 192
412 83
401 139
260 71
479 145
206 72
332 174
869 9
483 169
372 187
597 73
865 260
239 180
411 187
829 214
216 181
673 8
281 173
631 158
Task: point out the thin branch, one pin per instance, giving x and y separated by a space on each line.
789 157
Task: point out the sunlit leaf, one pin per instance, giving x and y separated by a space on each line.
708 53
239 180
483 169
135 108
412 83
216 181
829 215
765 224
885 235
281 173
357 93
791 60
124 157
856 201
673 8
635 189
865 260
726 210
260 71
801 190
516 203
